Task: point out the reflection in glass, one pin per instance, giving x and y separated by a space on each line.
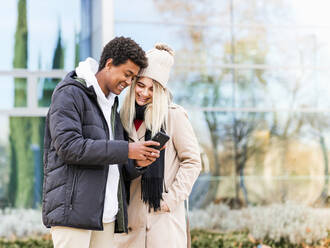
20 92
7 92
255 88
203 90
258 158
4 161
282 89
21 169
46 86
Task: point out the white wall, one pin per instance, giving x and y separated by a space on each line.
102 25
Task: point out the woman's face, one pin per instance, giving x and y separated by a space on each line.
143 91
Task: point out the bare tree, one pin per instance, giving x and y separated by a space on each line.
207 83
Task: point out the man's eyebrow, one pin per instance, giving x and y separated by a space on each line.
129 71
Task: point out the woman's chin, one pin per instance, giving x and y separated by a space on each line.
141 103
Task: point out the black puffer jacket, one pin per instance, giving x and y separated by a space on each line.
76 158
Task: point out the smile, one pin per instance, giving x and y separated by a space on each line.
142 99
122 86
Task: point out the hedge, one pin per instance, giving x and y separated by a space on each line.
212 239
199 238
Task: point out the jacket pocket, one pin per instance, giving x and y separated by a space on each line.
73 188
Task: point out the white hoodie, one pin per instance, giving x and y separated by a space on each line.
87 70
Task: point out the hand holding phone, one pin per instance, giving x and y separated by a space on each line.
161 138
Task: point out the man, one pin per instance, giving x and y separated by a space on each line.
85 155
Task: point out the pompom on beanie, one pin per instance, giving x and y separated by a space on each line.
160 61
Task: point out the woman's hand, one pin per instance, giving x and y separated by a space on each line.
164 207
146 162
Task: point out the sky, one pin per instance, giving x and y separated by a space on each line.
314 12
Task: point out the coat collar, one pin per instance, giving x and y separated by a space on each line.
139 134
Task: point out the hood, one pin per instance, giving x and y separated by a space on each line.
70 79
87 70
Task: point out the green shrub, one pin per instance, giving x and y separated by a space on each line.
296 223
29 243
208 239
212 239
199 239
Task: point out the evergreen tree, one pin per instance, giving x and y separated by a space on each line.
58 63
24 131
58 58
21 53
76 51
21 173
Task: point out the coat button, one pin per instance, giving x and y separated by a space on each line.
129 229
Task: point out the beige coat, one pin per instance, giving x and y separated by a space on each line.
182 167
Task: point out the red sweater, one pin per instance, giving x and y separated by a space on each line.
137 124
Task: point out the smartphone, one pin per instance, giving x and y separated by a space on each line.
161 138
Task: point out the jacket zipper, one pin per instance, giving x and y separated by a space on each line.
72 189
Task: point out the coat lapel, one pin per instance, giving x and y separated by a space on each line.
133 137
141 132
138 135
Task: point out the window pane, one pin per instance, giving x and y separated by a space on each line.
267 157
21 168
46 87
289 89
6 92
50 28
20 92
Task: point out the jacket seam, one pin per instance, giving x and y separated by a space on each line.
61 204
55 188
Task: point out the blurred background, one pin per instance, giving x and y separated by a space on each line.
252 74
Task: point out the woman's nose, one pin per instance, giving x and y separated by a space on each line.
145 92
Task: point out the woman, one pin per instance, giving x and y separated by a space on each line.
156 212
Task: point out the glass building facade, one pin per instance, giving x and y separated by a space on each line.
253 76
40 43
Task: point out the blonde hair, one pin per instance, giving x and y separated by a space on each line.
156 113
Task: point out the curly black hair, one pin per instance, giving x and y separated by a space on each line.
121 49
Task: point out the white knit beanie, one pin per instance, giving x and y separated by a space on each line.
160 61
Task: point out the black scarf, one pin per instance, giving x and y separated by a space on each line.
139 111
153 178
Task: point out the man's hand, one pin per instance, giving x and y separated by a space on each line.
142 151
149 159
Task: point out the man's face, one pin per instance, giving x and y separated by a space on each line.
119 77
